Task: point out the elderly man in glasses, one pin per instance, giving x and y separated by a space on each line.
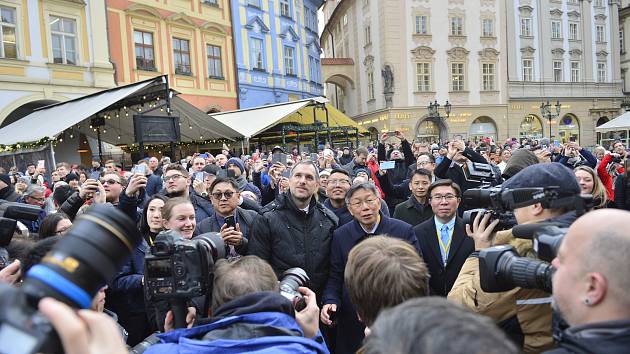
231 221
34 195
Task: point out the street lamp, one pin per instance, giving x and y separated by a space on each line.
434 109
545 111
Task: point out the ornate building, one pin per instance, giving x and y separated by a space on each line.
191 41
277 50
51 51
494 61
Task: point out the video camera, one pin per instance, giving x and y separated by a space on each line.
502 269
10 213
177 269
82 262
481 173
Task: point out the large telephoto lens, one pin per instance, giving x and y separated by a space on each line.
85 259
526 273
213 244
477 198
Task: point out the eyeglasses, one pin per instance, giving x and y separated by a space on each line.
174 177
36 199
338 182
62 231
423 163
368 202
219 195
110 181
447 197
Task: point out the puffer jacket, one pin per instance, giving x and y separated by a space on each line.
287 237
524 314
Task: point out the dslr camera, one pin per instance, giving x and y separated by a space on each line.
502 269
292 279
82 262
177 269
10 213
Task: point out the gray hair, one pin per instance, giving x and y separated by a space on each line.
367 186
306 163
33 188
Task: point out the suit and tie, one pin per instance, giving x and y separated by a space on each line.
443 241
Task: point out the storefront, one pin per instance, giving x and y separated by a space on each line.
482 127
431 130
531 128
569 129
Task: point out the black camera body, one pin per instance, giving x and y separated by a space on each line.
506 219
10 213
481 173
292 279
82 262
180 268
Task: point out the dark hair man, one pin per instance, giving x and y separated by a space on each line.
443 238
424 160
225 198
383 272
177 184
432 325
359 161
237 167
591 286
515 310
402 161
364 204
417 208
295 230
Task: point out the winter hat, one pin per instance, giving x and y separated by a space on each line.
236 162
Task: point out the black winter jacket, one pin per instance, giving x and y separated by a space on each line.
602 338
286 237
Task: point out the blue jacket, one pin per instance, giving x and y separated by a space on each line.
32 226
154 184
128 283
243 329
350 331
587 159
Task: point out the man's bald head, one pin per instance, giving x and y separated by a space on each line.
591 282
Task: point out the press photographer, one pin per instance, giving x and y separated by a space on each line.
539 193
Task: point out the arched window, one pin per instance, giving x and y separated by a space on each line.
483 127
569 128
428 131
531 127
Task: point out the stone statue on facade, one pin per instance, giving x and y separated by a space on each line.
388 79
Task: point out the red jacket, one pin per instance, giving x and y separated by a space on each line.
605 177
373 166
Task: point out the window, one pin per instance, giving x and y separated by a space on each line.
254 3
556 29
423 76
457 76
575 71
599 3
257 54
622 47
487 79
487 28
211 2
313 67
600 35
370 81
181 54
285 8
289 68
368 35
345 19
63 36
457 26
526 27
145 59
215 69
422 22
573 30
8 49
557 71
601 72
528 70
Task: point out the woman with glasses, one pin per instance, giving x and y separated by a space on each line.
127 296
54 224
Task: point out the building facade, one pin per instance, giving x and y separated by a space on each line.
191 41
624 29
494 61
277 50
51 51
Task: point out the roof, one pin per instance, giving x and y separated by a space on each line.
622 122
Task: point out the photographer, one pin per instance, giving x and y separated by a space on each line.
611 166
453 165
525 314
249 315
591 284
574 155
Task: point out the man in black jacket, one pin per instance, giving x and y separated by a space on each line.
417 208
7 192
295 230
590 286
402 160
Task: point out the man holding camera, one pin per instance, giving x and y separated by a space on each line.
612 166
525 314
453 165
591 284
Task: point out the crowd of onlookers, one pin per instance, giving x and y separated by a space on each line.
323 211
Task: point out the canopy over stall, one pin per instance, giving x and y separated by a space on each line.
616 129
308 118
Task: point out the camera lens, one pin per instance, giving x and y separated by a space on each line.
213 243
525 272
85 259
477 198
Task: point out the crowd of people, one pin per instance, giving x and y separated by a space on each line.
392 265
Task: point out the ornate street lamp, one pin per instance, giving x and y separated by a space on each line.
545 111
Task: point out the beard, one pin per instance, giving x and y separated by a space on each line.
176 194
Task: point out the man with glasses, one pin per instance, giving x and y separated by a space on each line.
364 204
338 185
225 198
442 238
177 184
34 195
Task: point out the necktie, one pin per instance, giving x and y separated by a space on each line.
445 243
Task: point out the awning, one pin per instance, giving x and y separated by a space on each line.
119 105
253 121
620 123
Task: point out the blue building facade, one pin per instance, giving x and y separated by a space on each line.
277 50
